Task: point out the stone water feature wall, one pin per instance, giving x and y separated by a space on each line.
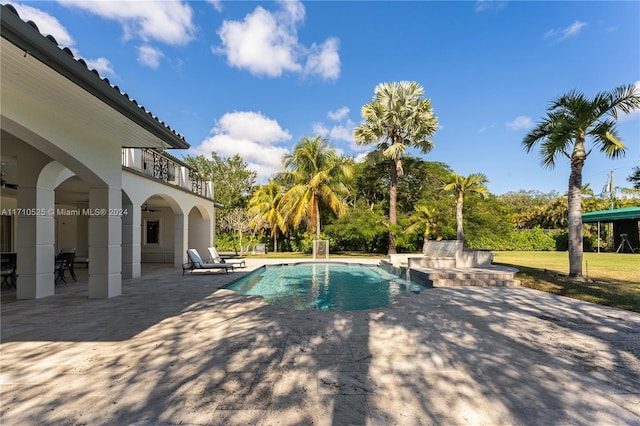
444 254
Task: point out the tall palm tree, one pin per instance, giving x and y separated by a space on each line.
461 186
316 175
397 118
571 120
264 208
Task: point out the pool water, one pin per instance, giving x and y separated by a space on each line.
324 286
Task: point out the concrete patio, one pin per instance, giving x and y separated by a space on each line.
176 350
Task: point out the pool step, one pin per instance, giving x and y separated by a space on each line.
458 278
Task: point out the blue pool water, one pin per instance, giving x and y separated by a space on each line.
324 286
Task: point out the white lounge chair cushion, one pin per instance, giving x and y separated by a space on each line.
197 261
215 256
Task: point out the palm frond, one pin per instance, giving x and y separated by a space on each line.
625 99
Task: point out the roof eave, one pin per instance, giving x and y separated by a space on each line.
45 49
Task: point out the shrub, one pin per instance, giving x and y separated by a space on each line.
528 240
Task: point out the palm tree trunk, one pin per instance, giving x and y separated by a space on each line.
393 197
275 242
460 230
317 207
575 217
425 239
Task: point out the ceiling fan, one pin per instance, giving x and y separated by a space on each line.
146 209
4 184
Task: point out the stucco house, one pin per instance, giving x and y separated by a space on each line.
86 167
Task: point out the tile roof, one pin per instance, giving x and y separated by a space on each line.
51 54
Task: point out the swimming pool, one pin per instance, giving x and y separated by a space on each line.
324 286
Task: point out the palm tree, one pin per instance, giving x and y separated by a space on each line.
397 118
317 175
423 216
460 185
571 120
264 208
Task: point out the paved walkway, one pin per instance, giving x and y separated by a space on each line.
176 350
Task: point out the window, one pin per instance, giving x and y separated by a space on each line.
152 231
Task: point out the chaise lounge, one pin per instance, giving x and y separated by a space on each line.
216 258
195 262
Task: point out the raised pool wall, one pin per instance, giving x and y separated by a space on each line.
447 263
444 254
436 255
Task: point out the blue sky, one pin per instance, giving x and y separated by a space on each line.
252 78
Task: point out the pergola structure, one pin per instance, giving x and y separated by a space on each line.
625 222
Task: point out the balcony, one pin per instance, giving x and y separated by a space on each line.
166 168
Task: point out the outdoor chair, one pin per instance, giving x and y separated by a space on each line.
64 262
75 260
259 249
216 258
195 262
9 265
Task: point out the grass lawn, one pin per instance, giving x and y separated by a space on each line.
613 279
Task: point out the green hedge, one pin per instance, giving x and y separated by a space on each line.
527 240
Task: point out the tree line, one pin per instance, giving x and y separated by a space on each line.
394 201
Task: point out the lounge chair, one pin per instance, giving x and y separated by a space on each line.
215 257
259 249
195 262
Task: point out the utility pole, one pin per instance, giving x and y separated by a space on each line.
612 194
612 190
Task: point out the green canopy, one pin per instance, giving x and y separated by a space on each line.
611 215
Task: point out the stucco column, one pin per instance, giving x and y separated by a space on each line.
105 239
35 242
131 231
181 236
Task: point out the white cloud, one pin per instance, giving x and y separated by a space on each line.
253 126
485 5
149 56
49 25
259 44
266 44
252 136
571 31
324 60
339 114
361 157
102 65
320 129
521 122
343 132
217 4
168 21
